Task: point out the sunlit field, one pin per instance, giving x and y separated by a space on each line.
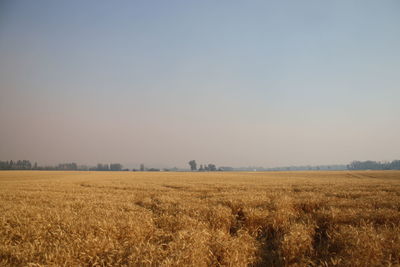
199 219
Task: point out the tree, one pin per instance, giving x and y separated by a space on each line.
102 167
115 167
395 165
193 165
212 167
142 167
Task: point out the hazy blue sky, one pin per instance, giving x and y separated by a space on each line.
237 83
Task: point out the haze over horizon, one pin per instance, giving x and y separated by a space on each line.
260 83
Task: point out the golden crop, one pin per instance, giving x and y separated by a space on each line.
199 219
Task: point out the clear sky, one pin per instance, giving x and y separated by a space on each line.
236 83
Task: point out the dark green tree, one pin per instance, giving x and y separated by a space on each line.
212 167
193 165
115 167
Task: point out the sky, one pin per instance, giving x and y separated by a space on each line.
235 83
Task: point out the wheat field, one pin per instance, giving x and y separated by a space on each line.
199 219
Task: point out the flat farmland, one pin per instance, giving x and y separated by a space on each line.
54 218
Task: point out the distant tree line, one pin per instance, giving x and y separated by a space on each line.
107 167
17 165
208 168
306 168
374 165
142 168
355 165
27 165
203 167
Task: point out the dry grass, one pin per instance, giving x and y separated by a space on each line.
199 219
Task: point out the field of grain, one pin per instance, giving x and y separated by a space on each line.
199 219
